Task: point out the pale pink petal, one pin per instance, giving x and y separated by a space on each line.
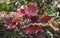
31 9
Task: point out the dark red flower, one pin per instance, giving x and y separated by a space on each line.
33 28
45 18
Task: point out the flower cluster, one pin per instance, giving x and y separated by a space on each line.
29 13
30 9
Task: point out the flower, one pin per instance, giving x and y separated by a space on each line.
11 26
45 18
15 20
31 9
33 28
21 12
8 23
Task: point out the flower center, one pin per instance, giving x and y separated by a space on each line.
33 27
32 9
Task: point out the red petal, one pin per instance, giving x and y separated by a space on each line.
21 14
38 28
29 31
15 19
11 25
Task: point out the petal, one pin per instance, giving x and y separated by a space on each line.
21 14
33 14
38 28
18 9
15 19
29 31
11 26
30 12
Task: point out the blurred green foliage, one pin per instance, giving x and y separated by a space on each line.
4 7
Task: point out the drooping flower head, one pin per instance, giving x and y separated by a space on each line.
11 26
33 28
15 20
45 18
31 9
8 23
20 12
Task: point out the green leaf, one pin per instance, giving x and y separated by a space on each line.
56 19
7 7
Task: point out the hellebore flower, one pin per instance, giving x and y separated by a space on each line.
33 28
31 9
15 20
45 18
11 26
21 12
